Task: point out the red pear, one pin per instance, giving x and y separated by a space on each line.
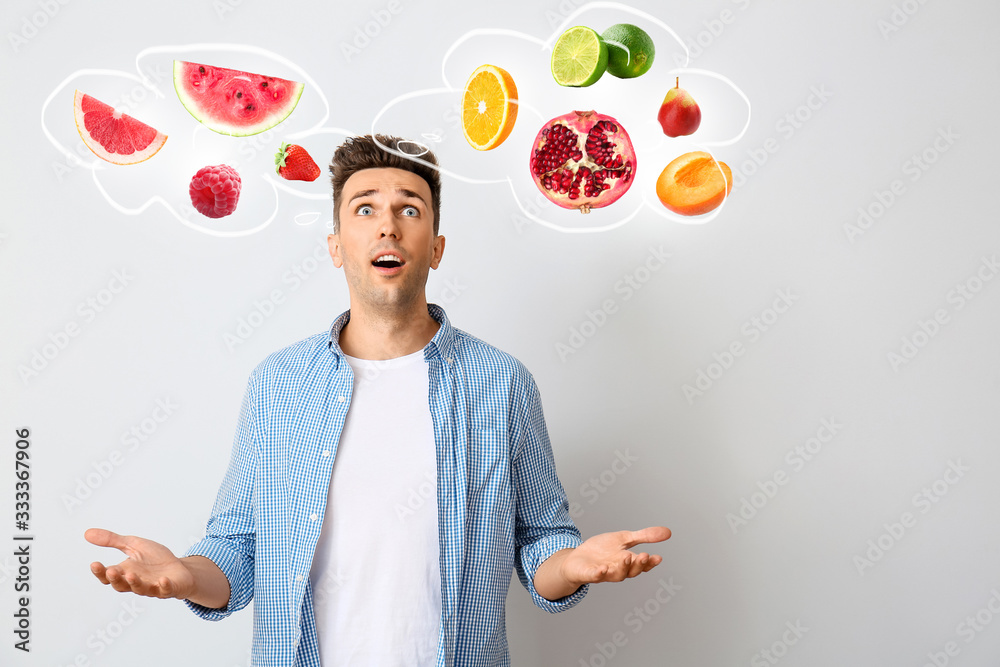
679 114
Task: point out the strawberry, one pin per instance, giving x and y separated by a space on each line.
295 164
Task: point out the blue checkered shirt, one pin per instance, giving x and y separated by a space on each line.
501 506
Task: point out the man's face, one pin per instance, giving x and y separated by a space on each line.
386 212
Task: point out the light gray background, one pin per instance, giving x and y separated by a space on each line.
523 286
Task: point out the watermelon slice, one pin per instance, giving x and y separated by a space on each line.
232 102
113 135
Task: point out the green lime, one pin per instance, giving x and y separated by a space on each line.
579 57
630 50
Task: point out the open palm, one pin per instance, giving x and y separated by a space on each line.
606 557
151 569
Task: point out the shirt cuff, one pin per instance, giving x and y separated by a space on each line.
538 553
228 559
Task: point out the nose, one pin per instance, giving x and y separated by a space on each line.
388 226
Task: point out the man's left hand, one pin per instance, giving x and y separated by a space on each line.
604 557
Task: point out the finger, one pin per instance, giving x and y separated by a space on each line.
104 538
653 562
132 581
165 588
619 570
121 587
140 586
638 565
136 583
99 571
118 582
646 536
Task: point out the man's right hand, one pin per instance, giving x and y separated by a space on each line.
152 570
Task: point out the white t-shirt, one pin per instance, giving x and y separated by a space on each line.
376 575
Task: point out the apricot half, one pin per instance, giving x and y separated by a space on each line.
693 184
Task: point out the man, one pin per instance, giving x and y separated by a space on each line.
401 552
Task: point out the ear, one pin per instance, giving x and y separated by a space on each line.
333 243
438 252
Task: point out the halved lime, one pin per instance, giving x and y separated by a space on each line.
579 57
630 50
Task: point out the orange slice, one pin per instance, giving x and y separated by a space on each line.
693 184
489 107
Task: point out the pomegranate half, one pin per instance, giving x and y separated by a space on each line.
583 160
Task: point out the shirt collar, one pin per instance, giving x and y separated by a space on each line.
440 345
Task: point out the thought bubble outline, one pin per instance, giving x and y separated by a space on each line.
276 185
547 44
99 165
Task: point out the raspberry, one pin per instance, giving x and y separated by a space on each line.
215 190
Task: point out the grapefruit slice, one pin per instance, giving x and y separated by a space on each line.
112 135
233 102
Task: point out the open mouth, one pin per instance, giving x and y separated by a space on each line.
387 261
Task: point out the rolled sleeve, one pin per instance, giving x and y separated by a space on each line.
543 525
233 565
532 557
230 540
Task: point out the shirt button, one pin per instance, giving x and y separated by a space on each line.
326 452
449 360
299 578
341 399
313 517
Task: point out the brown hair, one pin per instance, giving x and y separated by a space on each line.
370 152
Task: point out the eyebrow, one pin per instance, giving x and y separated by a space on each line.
402 191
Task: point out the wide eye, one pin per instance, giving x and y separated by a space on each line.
411 211
365 209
